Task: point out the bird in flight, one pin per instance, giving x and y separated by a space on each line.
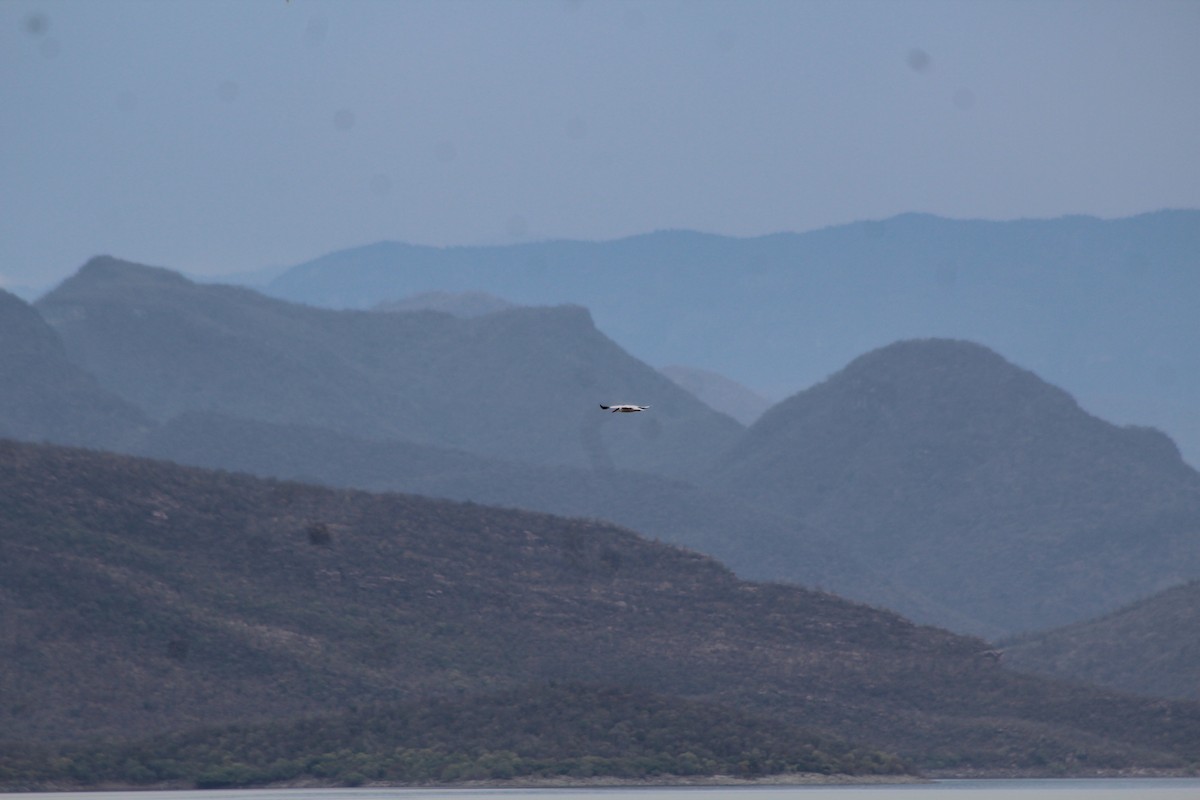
624 408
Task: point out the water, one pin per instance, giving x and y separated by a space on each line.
1026 789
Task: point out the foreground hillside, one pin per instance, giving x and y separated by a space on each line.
940 465
144 596
542 731
1151 647
738 533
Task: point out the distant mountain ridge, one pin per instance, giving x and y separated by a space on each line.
523 384
719 392
460 304
716 391
1103 308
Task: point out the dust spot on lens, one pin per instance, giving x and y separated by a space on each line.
37 24
918 60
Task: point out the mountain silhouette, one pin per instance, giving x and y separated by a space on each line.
931 477
523 384
1103 308
943 466
460 304
46 397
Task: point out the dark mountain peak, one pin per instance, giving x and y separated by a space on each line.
43 396
944 465
110 270
105 280
935 357
1154 445
935 382
10 300
934 370
146 297
170 345
24 333
929 351
950 382
16 315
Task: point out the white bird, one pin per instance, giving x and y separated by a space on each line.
624 408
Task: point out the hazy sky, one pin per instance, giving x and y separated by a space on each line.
214 136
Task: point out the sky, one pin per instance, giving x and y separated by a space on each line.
222 136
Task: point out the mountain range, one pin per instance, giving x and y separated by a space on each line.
1102 308
930 477
141 595
523 384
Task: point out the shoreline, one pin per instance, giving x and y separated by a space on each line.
661 781
554 782
787 779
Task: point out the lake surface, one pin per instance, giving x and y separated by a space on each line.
1027 789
